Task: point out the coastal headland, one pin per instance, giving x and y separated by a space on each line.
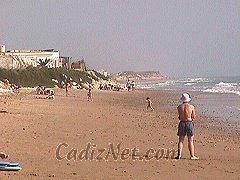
139 76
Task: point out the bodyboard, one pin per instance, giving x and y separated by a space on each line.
9 166
6 168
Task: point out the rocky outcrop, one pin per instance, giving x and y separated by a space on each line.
145 75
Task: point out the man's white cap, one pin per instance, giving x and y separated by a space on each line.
185 97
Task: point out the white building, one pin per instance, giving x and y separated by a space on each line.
33 58
103 72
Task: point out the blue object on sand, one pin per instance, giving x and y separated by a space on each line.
6 168
9 166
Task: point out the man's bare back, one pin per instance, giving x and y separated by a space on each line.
186 112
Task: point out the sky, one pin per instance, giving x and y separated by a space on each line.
179 38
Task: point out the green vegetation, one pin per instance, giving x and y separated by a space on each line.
100 75
43 76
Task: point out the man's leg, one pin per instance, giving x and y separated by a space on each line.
180 146
152 108
191 147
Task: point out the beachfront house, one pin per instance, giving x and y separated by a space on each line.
79 65
17 59
66 62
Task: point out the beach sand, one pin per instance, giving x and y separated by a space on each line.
32 130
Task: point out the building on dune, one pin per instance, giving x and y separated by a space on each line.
18 59
79 65
66 62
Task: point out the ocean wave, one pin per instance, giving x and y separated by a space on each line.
224 87
196 80
189 84
213 85
145 87
167 83
151 85
223 84
222 90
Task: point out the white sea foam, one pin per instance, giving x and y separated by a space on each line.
222 87
220 90
213 85
222 84
143 86
154 85
197 80
189 84
167 83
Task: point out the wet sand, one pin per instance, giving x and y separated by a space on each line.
32 130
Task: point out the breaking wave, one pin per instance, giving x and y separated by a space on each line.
212 85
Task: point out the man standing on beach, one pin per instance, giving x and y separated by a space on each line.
186 115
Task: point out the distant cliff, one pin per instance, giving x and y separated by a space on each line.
145 75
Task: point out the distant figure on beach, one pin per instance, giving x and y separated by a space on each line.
149 104
133 86
66 88
40 90
3 155
186 115
89 95
129 85
51 95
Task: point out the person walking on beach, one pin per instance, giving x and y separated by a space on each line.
89 95
66 89
133 86
186 115
149 104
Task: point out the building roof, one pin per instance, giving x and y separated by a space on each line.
32 51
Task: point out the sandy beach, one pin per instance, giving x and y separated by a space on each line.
48 138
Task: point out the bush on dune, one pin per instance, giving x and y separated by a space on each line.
32 76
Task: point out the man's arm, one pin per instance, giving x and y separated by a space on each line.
193 115
178 113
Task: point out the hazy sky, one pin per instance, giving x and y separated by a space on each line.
176 37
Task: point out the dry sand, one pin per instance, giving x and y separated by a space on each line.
33 128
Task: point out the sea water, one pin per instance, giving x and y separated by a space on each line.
219 97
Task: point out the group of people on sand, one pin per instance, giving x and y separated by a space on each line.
41 90
11 87
109 86
131 85
186 116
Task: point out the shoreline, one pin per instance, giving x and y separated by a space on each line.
207 105
33 129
